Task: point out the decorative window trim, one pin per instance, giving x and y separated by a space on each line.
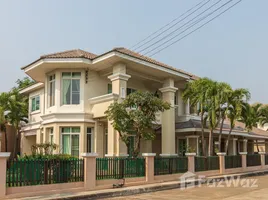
92 139
51 80
35 110
71 77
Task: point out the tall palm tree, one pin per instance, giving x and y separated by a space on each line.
263 115
251 117
235 103
212 117
224 93
196 92
16 110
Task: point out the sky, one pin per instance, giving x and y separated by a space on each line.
233 48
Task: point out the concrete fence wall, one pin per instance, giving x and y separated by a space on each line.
90 182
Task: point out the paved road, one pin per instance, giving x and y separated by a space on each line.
206 192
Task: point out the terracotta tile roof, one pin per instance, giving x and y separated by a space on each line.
77 53
150 60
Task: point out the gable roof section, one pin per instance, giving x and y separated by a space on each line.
148 59
78 53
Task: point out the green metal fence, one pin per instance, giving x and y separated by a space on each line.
118 168
172 165
39 172
253 160
206 163
233 161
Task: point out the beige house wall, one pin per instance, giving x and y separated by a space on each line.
26 143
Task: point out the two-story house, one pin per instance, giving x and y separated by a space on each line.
74 88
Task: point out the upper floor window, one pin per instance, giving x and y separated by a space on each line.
71 88
130 90
51 100
110 88
35 103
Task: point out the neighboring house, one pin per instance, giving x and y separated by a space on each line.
74 89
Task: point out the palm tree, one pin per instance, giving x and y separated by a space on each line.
263 115
16 110
236 104
196 92
213 103
251 117
224 93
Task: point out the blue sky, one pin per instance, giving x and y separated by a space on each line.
233 48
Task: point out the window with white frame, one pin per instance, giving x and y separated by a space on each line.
51 136
70 140
110 88
51 90
90 139
71 88
35 103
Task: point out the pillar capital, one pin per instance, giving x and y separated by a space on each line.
149 154
119 76
89 155
190 154
168 155
221 154
4 155
168 89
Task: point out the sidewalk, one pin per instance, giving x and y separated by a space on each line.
133 189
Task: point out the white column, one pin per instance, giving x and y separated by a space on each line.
168 119
234 146
119 80
187 108
99 139
180 103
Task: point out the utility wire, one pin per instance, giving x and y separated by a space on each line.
195 29
205 2
167 24
171 33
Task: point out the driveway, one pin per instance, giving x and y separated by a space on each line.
242 191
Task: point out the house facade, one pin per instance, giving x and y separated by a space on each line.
74 88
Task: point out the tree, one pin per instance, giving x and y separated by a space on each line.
16 111
134 116
236 103
197 92
224 93
251 116
15 108
23 83
3 124
263 115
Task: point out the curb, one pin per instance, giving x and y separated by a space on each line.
128 192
